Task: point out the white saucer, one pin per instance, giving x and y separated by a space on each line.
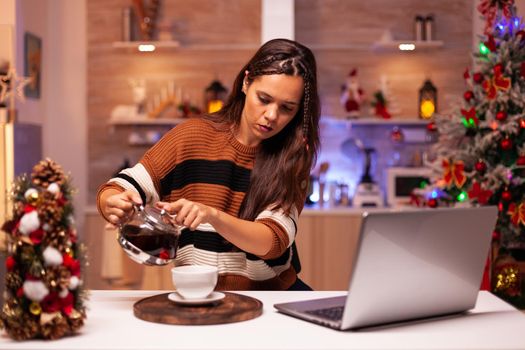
213 297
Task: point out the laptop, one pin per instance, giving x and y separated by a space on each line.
408 265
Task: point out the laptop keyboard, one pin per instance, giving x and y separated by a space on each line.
331 313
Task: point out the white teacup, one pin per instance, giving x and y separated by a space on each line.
194 281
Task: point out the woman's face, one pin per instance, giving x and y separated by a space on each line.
271 103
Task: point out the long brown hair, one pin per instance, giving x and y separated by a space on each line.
283 162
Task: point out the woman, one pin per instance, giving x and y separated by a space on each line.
236 179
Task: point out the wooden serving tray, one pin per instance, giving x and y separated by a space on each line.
233 308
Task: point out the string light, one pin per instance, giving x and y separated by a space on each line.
462 196
484 50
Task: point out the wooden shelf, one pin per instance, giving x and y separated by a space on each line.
175 45
376 121
137 121
134 45
418 45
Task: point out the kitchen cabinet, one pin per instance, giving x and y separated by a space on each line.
326 241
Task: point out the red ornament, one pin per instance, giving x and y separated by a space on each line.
506 144
501 116
498 68
491 43
480 166
431 127
506 195
10 263
468 95
522 123
477 77
36 236
520 34
466 74
520 161
432 203
496 235
397 135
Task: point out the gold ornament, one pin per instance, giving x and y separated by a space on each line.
32 198
35 308
507 279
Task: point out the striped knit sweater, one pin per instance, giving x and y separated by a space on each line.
198 162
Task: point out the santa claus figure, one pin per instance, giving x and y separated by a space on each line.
352 96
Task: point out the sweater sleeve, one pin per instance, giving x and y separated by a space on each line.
284 228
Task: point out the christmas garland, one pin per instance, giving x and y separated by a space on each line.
44 297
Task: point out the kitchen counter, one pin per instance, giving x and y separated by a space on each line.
493 324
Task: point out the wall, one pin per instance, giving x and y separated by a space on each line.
343 32
61 108
324 25
223 24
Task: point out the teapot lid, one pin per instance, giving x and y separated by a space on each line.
159 218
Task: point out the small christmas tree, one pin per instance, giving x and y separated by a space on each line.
480 153
44 297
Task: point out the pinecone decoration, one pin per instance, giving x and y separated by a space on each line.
56 328
47 172
76 320
57 277
23 327
13 281
49 211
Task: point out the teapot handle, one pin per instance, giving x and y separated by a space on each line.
136 207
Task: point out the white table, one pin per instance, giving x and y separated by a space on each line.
493 324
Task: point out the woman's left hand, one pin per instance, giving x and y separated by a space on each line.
188 213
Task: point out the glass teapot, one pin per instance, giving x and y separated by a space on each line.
149 236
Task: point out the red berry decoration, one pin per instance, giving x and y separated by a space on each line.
468 95
506 144
480 166
498 68
520 160
506 195
478 78
522 122
431 127
432 203
501 116
10 263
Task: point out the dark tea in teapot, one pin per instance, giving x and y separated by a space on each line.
153 242
149 237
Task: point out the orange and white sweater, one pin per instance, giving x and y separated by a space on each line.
198 162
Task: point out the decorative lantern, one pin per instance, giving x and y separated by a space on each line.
214 96
427 100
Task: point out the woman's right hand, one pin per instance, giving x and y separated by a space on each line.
120 206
